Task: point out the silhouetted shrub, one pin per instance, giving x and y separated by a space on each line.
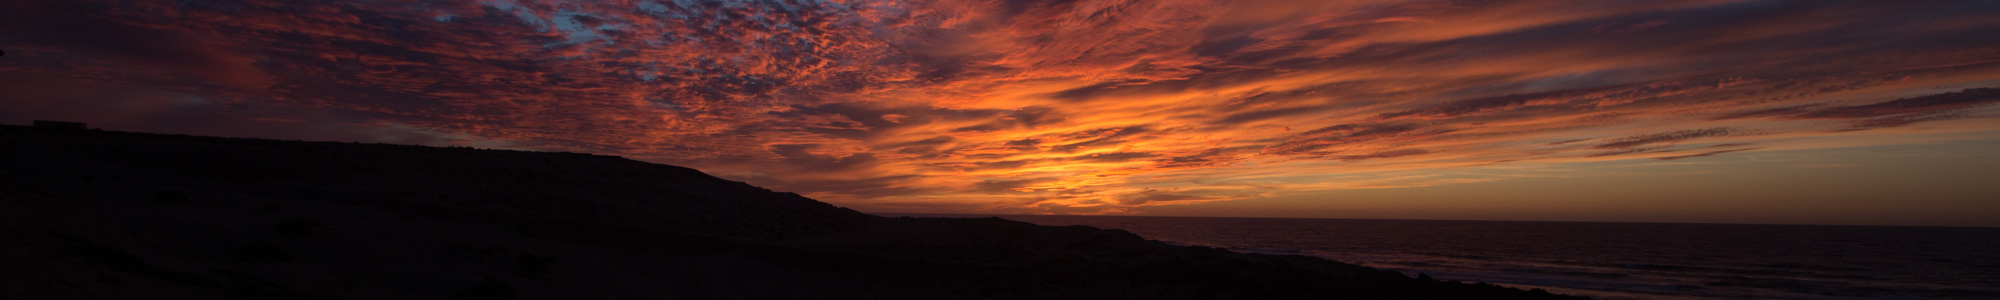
487 290
120 260
260 251
296 228
165 195
113 257
533 266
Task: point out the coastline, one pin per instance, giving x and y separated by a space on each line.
1616 260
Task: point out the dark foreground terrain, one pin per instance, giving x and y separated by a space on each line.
88 214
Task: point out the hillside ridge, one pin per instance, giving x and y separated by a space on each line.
105 214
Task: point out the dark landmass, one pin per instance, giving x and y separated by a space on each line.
89 214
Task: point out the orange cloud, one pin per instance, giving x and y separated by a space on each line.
1034 106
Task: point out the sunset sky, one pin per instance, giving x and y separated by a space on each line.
1824 112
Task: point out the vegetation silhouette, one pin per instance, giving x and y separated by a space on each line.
254 218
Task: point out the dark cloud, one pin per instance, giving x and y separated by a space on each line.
1383 154
1891 113
800 157
1665 138
1916 105
997 186
1703 154
1253 116
1099 137
1212 157
1140 88
1001 165
1317 139
1471 106
1023 118
1562 142
1113 157
1156 196
1028 144
1769 112
1624 151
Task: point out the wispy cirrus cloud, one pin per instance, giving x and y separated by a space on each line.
1023 106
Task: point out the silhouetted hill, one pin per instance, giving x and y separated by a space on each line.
91 214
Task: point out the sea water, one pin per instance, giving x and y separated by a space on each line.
1617 260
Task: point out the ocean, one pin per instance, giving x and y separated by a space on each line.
1616 260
